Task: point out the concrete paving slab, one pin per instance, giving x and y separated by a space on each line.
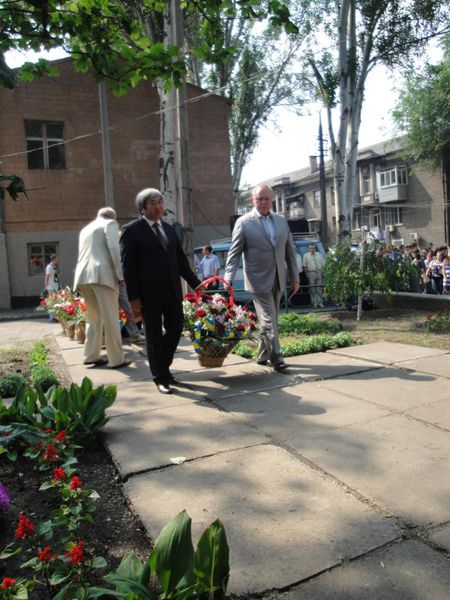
137 371
242 378
395 461
137 396
150 439
434 365
323 365
284 522
290 411
387 353
441 537
396 389
408 570
436 413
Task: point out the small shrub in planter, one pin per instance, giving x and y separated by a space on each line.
10 384
438 322
43 377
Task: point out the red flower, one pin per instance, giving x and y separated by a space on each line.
48 430
190 297
75 484
45 555
220 328
7 583
61 437
25 528
58 473
200 313
252 326
76 556
214 311
42 303
51 453
240 327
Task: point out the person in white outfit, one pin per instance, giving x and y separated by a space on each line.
313 264
98 275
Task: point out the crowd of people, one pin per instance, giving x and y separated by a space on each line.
431 274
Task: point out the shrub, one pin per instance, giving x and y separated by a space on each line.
294 324
438 322
10 384
43 376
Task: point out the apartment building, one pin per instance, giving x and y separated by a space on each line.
398 201
50 135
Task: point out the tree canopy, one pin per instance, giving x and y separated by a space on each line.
423 111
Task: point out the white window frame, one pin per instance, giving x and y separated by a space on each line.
357 220
372 215
393 176
316 198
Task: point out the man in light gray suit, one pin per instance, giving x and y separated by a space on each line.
98 275
264 240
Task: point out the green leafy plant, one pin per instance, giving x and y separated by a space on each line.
438 322
181 572
295 324
79 410
318 343
10 384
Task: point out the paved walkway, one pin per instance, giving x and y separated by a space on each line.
332 481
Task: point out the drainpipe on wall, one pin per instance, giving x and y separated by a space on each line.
108 179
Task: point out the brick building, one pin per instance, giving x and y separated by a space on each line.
59 120
398 201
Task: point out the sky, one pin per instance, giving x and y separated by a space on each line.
286 146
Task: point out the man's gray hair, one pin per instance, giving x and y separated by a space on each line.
262 186
106 213
145 195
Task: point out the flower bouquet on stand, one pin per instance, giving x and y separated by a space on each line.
215 324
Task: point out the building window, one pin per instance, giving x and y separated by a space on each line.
394 215
375 218
39 256
316 198
365 180
395 176
356 219
44 145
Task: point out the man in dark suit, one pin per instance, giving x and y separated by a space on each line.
153 262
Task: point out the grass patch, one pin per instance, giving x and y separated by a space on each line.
295 324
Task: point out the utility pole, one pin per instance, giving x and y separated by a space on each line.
323 197
108 180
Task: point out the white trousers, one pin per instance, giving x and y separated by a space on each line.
102 310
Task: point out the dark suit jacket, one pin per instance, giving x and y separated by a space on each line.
151 273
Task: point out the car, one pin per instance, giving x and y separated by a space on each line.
301 241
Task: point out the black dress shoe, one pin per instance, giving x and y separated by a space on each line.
164 388
280 367
262 363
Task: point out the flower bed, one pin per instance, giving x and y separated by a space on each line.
438 322
216 325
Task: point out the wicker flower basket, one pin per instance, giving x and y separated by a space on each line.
215 358
80 333
70 330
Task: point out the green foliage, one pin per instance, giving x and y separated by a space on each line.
10 384
79 410
182 573
310 324
438 322
306 345
318 343
423 112
43 377
344 278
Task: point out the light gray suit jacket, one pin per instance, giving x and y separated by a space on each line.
263 261
99 254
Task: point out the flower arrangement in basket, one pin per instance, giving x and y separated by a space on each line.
68 309
216 325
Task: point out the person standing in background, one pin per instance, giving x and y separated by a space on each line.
209 267
313 264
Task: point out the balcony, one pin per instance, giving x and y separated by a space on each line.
369 199
393 193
